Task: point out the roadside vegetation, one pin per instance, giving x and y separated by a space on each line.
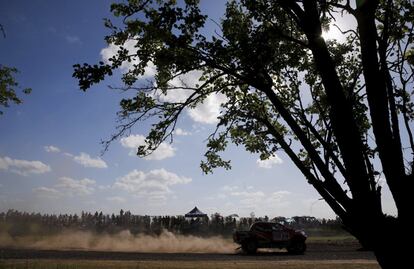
16 224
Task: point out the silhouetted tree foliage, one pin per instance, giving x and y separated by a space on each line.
341 110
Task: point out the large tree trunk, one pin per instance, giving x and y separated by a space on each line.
389 239
388 145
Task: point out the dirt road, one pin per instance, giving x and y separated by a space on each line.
316 251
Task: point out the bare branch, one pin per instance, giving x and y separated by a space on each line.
2 30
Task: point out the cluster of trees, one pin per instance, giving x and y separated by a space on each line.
18 223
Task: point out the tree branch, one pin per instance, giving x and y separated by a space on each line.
332 199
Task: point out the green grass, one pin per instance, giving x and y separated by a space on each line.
82 264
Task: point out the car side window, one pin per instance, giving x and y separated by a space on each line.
262 227
267 228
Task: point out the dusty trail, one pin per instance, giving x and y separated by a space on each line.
315 252
123 241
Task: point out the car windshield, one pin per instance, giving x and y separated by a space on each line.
277 227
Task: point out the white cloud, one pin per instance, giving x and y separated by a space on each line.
157 200
116 199
23 167
180 85
179 131
132 142
249 199
72 186
277 197
317 207
270 162
208 111
205 112
381 181
73 39
87 161
129 45
173 95
153 184
233 191
248 194
90 203
228 188
104 187
51 149
45 192
188 80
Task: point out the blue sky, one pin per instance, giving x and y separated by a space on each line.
50 145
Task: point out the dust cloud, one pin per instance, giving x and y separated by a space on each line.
166 242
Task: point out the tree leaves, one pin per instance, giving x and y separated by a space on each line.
261 58
9 87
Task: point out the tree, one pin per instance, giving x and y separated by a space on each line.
8 84
341 111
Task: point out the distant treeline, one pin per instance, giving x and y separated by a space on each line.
17 223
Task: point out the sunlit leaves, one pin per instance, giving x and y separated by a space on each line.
9 87
409 56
